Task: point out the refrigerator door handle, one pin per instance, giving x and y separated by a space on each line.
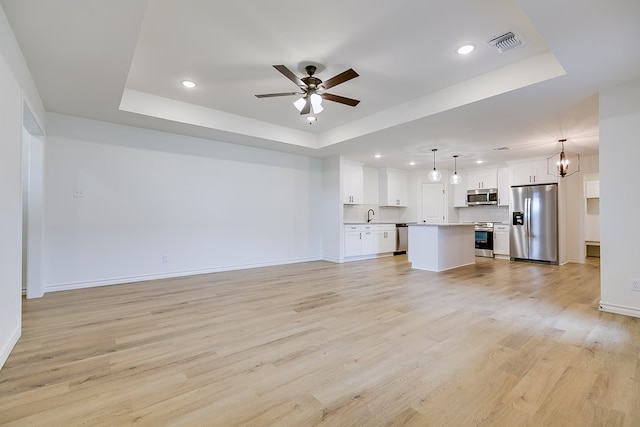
527 216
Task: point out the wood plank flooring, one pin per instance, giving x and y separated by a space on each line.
369 343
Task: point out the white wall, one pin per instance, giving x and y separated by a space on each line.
16 89
331 224
11 210
619 205
157 205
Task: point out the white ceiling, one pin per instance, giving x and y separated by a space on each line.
122 61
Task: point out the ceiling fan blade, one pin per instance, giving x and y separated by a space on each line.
307 107
289 74
340 99
340 78
269 95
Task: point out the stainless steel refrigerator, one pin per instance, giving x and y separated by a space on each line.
534 223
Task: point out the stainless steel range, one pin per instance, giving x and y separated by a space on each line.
484 239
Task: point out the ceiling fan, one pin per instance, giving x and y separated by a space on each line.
313 89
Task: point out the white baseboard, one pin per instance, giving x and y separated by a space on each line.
5 352
619 309
365 257
169 275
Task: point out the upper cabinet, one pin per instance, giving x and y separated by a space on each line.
482 178
503 186
592 189
530 172
460 191
394 187
352 176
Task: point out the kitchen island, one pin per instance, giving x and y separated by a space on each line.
439 247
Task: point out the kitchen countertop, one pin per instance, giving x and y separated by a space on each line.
374 223
449 224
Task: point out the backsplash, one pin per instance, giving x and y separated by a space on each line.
484 213
358 213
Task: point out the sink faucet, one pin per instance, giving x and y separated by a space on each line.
370 213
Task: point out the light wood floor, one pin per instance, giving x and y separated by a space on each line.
370 343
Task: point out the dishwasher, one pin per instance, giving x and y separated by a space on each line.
402 238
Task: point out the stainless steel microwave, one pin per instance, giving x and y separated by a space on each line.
482 196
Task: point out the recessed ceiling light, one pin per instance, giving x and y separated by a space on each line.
377 156
479 161
412 163
466 49
188 84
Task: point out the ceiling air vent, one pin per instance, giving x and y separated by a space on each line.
505 41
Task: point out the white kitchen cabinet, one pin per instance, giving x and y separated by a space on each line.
592 189
482 178
530 172
352 241
394 187
501 240
352 176
358 240
460 191
367 241
384 238
504 189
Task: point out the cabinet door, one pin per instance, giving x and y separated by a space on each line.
393 187
482 178
390 240
592 189
540 173
384 239
367 247
520 174
501 239
460 192
503 186
352 184
352 244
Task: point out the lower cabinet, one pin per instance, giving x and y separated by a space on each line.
501 240
384 238
369 239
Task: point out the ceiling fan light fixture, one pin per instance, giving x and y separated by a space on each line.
316 103
299 104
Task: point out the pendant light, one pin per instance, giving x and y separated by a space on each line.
455 179
434 175
563 164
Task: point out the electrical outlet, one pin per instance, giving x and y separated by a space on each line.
165 259
634 284
78 192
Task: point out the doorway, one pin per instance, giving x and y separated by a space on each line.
32 194
433 204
